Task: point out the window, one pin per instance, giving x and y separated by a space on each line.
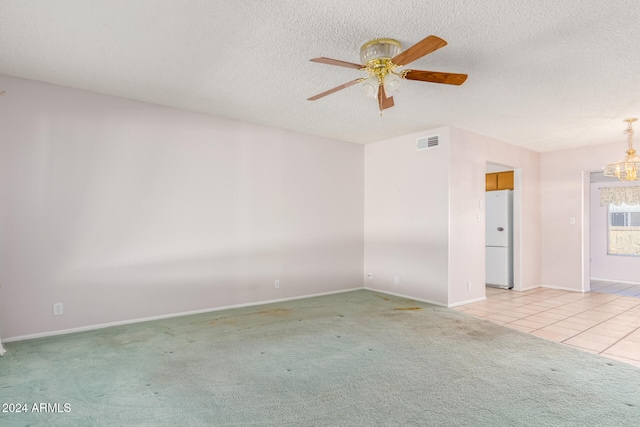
624 229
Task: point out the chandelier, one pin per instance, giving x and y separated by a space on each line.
625 169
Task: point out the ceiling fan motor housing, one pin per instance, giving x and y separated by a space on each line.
379 49
376 56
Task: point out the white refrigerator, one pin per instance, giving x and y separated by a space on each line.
499 238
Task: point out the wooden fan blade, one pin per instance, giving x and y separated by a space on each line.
335 89
337 62
418 50
436 77
383 101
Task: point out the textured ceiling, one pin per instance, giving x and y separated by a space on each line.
545 75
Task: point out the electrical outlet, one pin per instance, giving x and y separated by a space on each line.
370 276
277 284
468 286
396 280
57 309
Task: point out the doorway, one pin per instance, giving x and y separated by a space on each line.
516 257
610 236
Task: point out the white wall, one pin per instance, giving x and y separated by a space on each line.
123 210
565 195
603 265
407 216
421 215
469 156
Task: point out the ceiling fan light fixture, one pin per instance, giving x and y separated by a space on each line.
370 86
625 169
379 49
391 83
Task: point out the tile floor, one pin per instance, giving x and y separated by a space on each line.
623 289
607 324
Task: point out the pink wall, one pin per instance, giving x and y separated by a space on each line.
124 210
604 266
565 195
469 156
421 215
407 217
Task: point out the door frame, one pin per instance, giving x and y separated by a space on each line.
517 221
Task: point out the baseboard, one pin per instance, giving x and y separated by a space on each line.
465 302
406 296
527 288
167 316
616 281
563 288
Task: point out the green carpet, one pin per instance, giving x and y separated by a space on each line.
352 359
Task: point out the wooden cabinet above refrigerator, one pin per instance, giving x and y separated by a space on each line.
499 181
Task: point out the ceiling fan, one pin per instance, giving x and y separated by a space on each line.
381 58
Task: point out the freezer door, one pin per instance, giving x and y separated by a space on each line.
497 266
497 220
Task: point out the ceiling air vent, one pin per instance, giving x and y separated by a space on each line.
427 142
